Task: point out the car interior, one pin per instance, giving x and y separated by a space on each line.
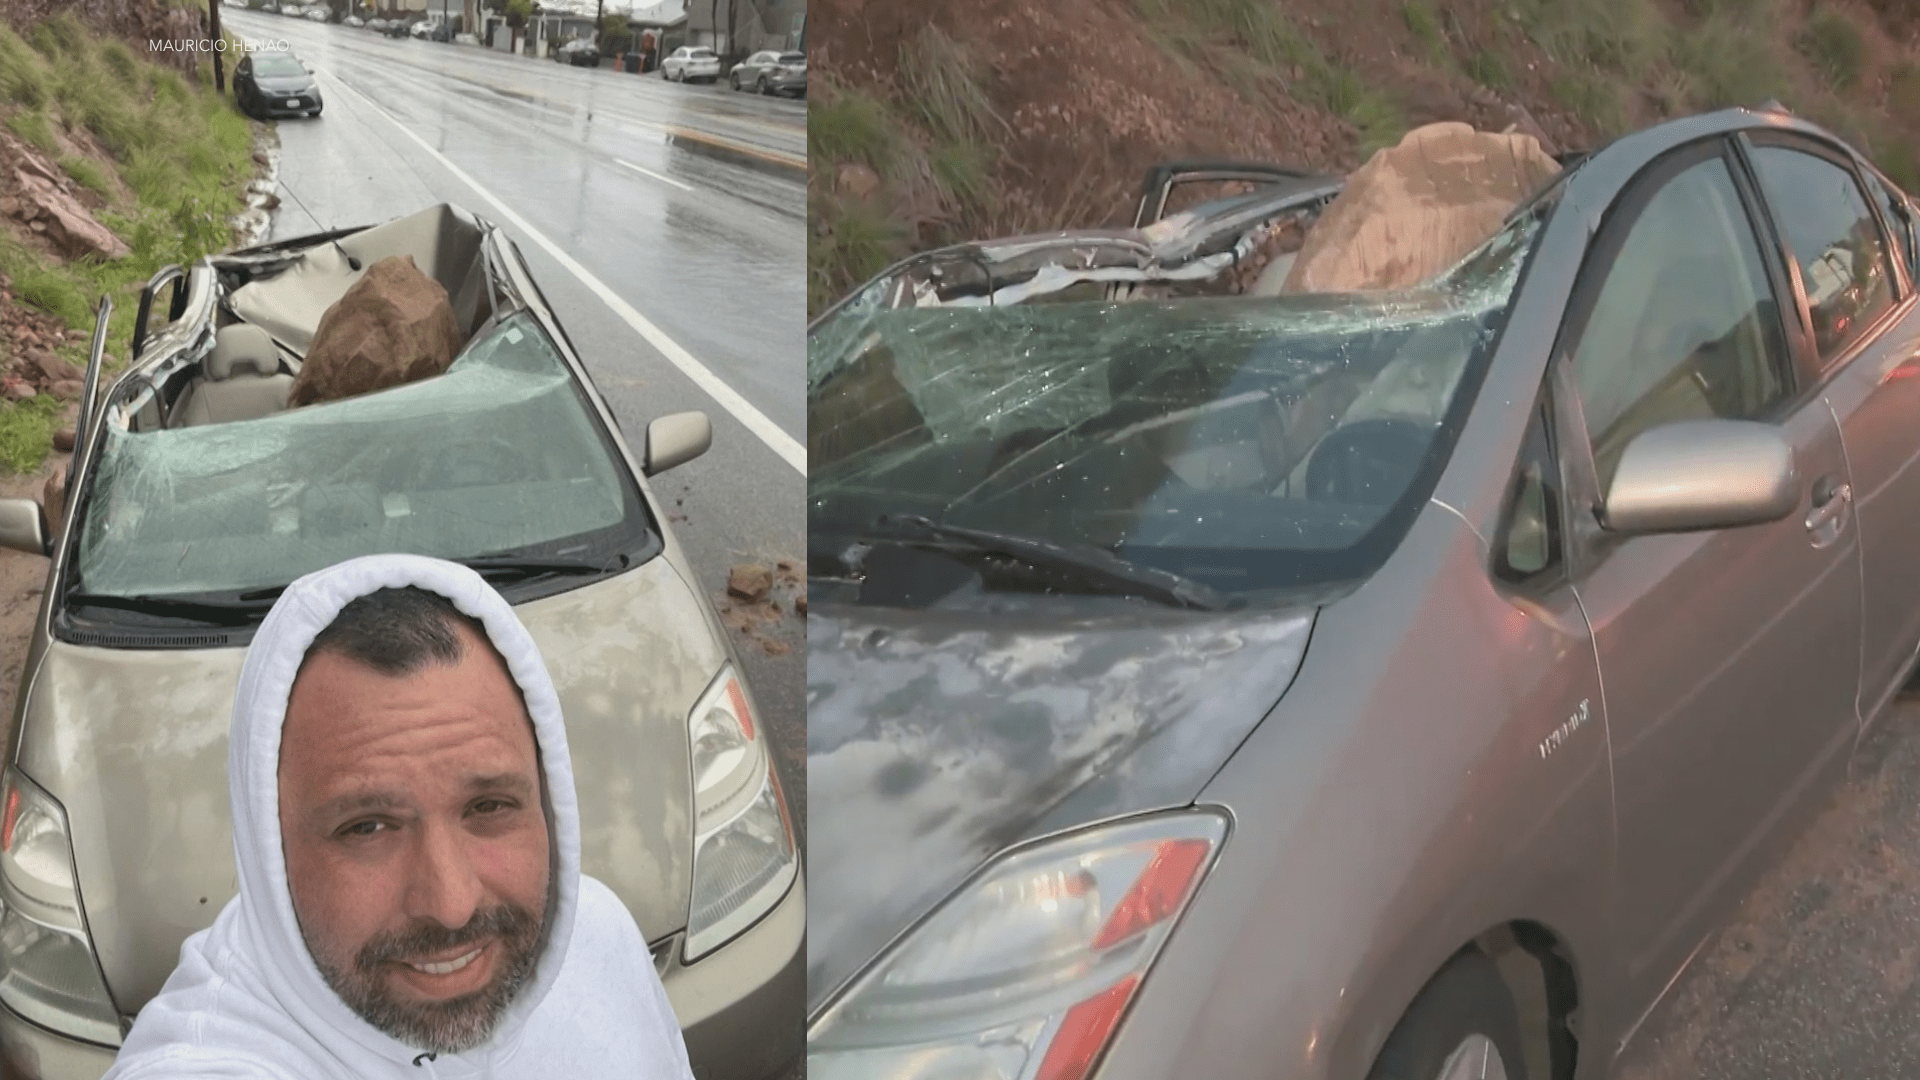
265 327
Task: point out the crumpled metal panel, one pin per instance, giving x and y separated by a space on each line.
933 744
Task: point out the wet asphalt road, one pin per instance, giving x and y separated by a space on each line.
1818 973
707 252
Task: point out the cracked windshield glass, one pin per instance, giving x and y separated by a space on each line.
497 454
1200 436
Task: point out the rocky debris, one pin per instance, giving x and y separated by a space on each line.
1414 209
63 440
67 389
858 181
53 498
762 599
46 203
749 582
28 336
393 326
53 369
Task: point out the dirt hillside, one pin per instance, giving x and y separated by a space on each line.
932 123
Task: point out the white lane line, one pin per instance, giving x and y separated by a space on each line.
784 445
655 175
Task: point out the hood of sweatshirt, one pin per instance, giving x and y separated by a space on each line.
263 913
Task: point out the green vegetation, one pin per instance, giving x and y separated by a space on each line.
26 431
945 89
1903 90
1835 44
1598 101
1730 62
32 126
1487 69
183 152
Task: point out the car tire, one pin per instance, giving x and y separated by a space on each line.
733 82
1461 1026
760 87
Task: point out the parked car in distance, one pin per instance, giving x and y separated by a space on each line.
353 21
266 85
318 15
398 28
579 52
691 63
771 72
378 26
511 462
1602 537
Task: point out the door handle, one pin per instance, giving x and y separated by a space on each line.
1828 517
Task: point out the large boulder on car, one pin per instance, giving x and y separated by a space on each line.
1415 209
395 325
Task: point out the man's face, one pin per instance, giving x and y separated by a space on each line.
415 841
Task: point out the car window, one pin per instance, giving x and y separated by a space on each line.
498 454
1896 224
1840 249
793 58
278 66
1685 326
1530 539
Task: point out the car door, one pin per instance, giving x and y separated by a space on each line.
1859 308
1728 658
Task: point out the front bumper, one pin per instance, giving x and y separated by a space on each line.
31 1052
277 106
741 1008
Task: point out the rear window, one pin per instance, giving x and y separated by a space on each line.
793 58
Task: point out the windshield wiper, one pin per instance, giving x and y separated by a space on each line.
517 566
1085 563
210 612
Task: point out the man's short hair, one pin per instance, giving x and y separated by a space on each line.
398 632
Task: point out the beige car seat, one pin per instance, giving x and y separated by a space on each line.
240 380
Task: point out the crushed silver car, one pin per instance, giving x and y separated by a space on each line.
197 494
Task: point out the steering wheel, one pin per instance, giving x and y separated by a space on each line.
1367 461
482 460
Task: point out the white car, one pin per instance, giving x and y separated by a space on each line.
691 63
355 21
317 15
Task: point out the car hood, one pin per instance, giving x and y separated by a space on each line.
935 741
285 84
133 743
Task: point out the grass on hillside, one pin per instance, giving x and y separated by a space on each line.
1614 65
183 151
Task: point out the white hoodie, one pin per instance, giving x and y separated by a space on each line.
247 999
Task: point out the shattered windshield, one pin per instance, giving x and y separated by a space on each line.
1241 443
497 455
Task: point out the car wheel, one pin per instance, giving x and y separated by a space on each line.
1462 1026
761 86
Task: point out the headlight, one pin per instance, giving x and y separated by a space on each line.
743 849
48 973
1024 973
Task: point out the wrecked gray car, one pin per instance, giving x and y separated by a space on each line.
1397 684
198 494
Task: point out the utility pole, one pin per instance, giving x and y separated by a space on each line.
599 21
213 21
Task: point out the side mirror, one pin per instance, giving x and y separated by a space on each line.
1702 474
675 440
23 526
